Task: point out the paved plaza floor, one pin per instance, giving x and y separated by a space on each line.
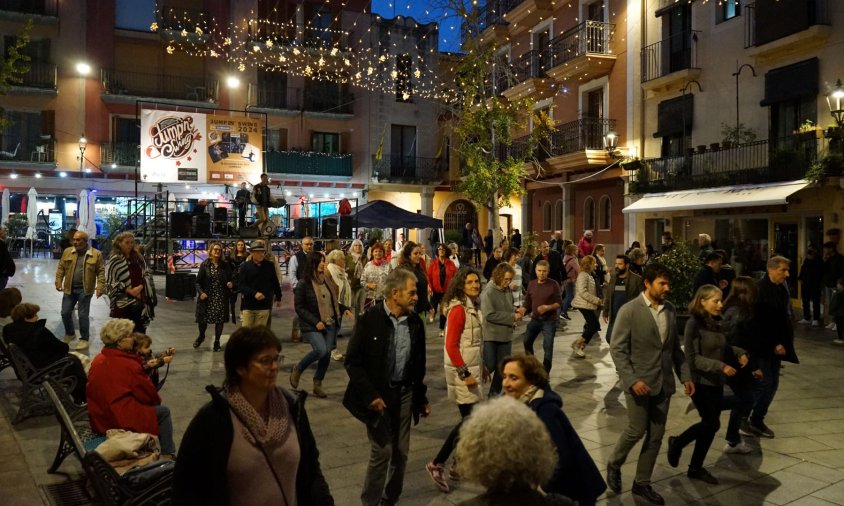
803 465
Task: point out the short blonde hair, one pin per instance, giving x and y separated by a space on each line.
116 329
335 256
504 445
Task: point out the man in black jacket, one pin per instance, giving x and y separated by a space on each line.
555 262
242 198
385 361
258 284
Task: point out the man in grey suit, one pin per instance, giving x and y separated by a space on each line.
645 349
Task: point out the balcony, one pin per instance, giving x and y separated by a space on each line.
318 101
24 9
178 23
491 24
528 13
578 144
264 96
309 163
126 154
408 169
670 61
41 78
755 162
132 85
529 76
20 149
583 52
776 30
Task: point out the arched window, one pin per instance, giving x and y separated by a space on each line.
604 213
558 215
546 216
458 214
589 214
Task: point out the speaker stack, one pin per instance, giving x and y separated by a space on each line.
202 225
180 224
329 228
305 227
346 225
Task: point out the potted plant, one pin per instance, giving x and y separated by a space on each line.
683 265
830 164
715 146
701 148
734 135
808 130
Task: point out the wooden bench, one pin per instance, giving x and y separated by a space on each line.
111 488
34 400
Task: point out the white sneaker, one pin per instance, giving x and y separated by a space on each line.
804 322
82 345
68 338
816 323
831 326
838 341
741 448
336 355
834 327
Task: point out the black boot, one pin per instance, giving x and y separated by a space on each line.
198 342
217 344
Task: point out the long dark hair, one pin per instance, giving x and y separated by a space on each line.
743 294
406 251
455 287
311 264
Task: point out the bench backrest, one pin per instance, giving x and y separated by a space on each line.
64 407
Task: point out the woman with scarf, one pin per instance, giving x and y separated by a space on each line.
213 283
441 271
129 284
576 475
464 369
412 258
374 275
336 268
235 259
355 263
317 303
252 443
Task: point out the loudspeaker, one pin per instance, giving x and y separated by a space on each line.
249 232
303 227
180 285
329 228
180 224
346 225
202 225
221 214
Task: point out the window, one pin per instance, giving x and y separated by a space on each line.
276 139
404 86
728 9
604 213
589 214
558 215
403 150
324 142
546 216
21 133
674 119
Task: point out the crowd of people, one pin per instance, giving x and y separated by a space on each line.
727 357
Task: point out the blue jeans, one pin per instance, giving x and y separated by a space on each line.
548 329
568 296
766 388
165 430
494 353
69 300
322 342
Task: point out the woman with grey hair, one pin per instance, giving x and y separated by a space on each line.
336 267
355 263
120 394
129 284
506 448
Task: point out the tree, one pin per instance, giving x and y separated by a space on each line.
16 64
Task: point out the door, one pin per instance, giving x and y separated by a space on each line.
542 48
786 244
593 113
679 38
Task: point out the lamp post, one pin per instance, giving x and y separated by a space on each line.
835 101
683 111
611 142
736 75
83 143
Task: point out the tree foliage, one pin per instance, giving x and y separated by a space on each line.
15 64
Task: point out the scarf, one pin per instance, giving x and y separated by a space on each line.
533 392
378 262
341 279
328 310
275 430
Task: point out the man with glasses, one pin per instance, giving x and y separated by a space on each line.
258 284
80 273
295 271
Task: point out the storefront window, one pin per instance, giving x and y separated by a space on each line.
746 243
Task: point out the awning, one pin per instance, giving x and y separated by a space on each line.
768 194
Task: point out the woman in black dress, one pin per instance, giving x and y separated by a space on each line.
236 258
213 284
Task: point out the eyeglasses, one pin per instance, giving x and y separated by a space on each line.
267 362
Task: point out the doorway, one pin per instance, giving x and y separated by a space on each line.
786 244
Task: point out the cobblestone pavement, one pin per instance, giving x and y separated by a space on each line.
803 465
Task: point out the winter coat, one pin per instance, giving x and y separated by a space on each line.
433 274
811 274
586 292
707 351
571 269
120 394
35 341
93 273
200 474
469 347
203 285
773 322
497 310
307 306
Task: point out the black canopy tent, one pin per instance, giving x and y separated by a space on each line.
382 214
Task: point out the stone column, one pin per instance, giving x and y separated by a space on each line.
427 208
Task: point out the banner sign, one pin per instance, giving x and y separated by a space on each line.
192 147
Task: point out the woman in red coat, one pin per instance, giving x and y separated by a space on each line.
120 394
440 272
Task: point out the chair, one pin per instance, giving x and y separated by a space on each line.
76 434
34 399
40 154
11 154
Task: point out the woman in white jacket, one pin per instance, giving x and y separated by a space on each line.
587 301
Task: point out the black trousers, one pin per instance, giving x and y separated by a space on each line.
708 401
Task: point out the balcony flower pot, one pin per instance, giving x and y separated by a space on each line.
701 148
715 146
726 144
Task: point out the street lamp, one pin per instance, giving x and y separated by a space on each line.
611 142
736 75
83 143
835 100
683 111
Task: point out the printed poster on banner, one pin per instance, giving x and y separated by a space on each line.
172 145
234 145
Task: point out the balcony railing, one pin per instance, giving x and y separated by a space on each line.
489 14
274 97
197 89
181 18
755 162
678 52
39 75
579 135
309 163
588 37
531 65
407 168
120 153
816 13
16 147
37 7
330 103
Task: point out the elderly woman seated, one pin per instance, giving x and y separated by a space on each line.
9 298
120 394
40 346
506 448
